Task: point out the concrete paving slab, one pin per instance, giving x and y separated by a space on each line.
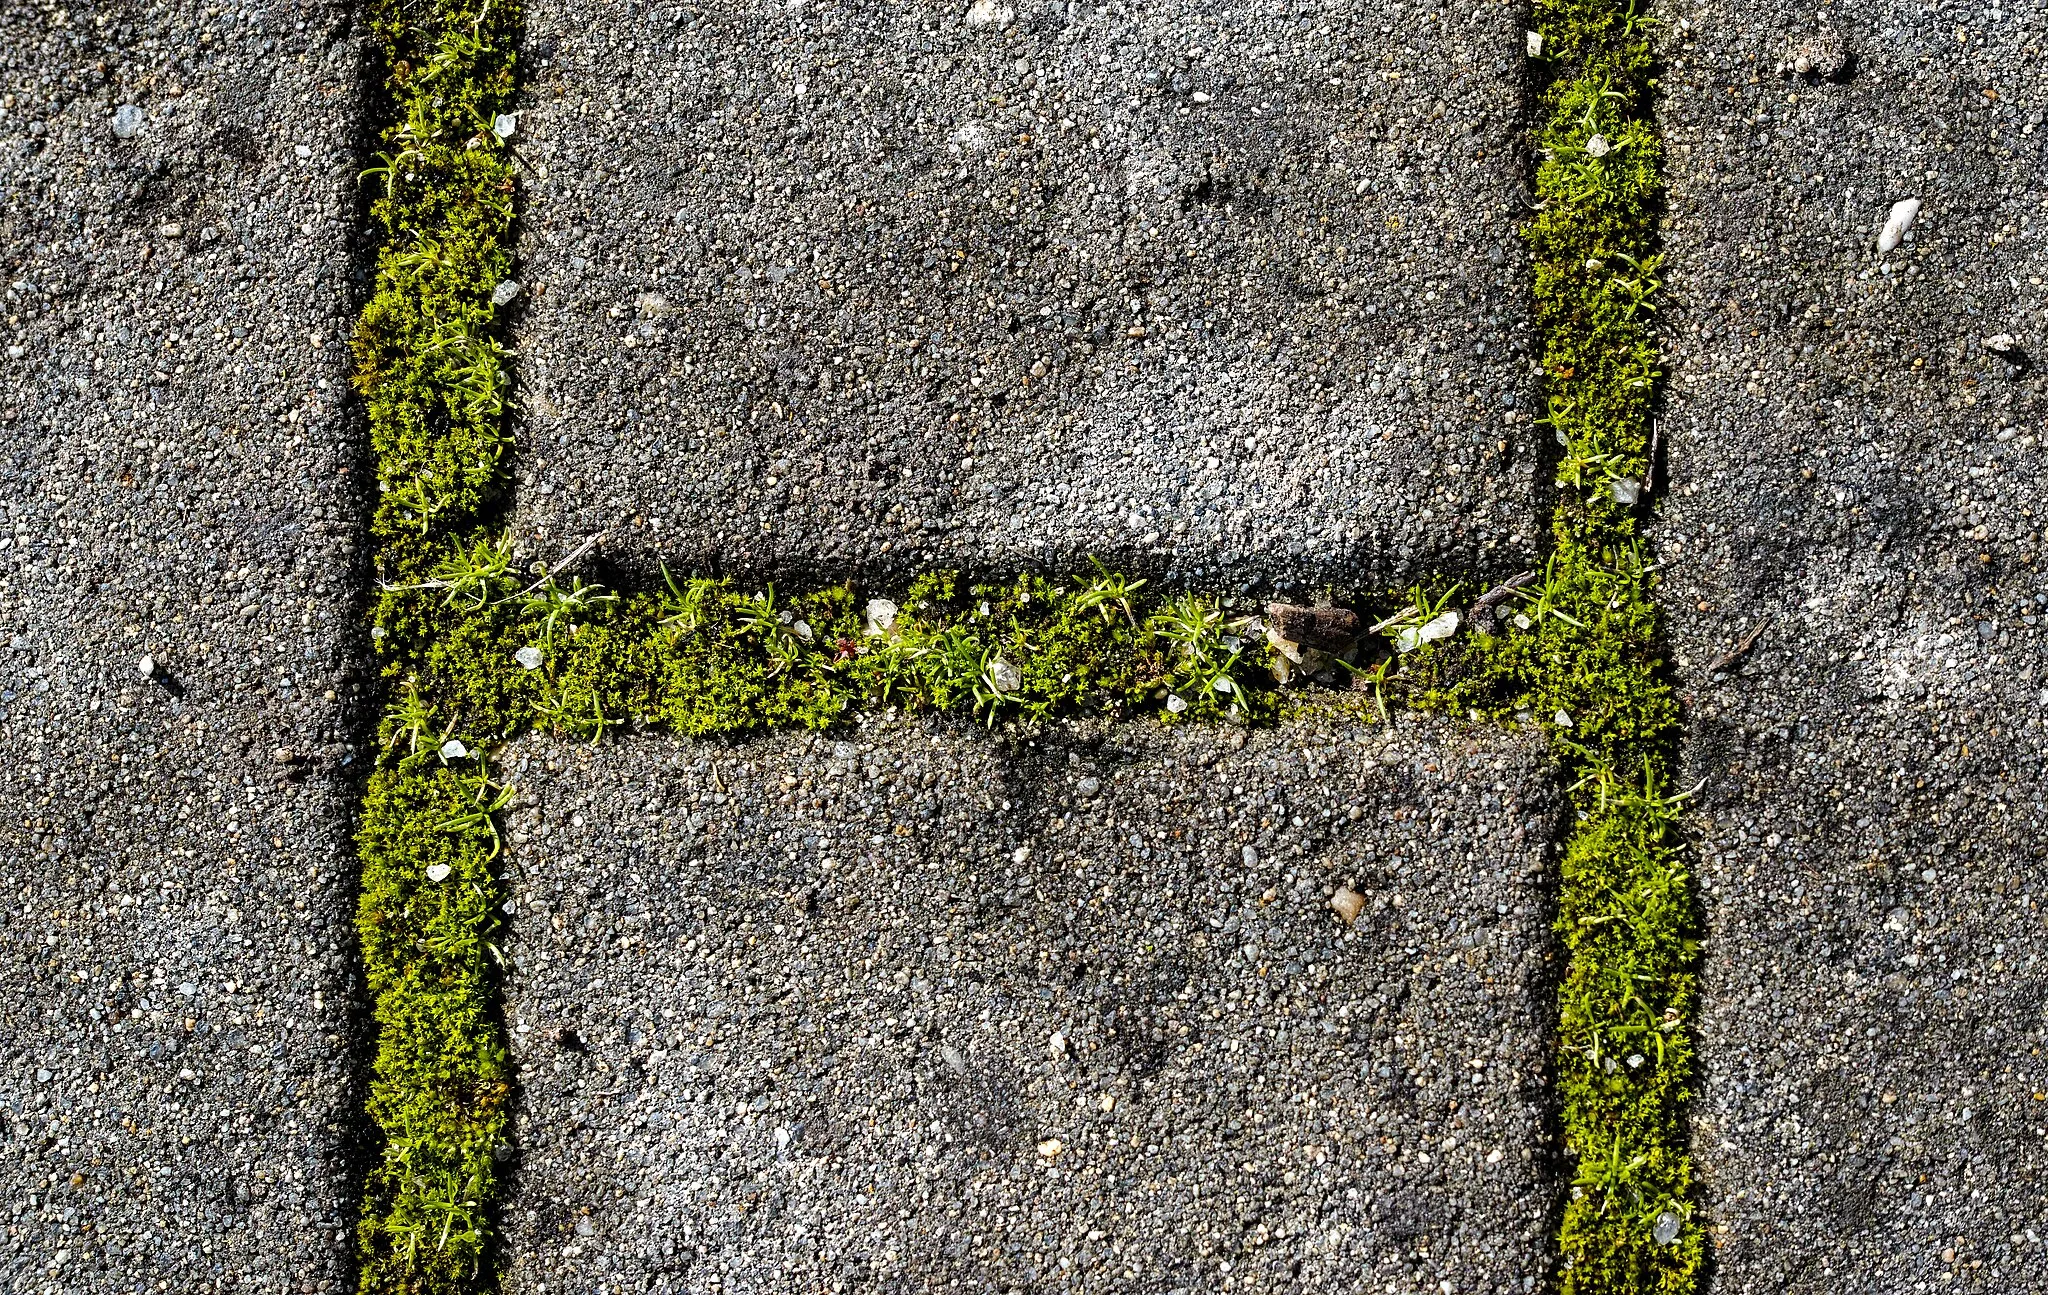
858 290
177 1100
935 1008
1857 481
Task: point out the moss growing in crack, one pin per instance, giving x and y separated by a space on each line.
427 910
430 368
1582 661
700 657
428 361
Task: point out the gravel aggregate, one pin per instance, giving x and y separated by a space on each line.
1856 480
932 1008
177 1054
1236 295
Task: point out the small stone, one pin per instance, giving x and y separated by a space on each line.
1903 213
955 1060
1597 146
504 292
1626 491
802 629
301 152
1089 788
990 13
1004 677
1021 855
528 657
1347 904
1329 629
453 749
1412 637
2001 343
1535 44
128 121
1175 704
1057 1046
881 616
1251 857
171 229
146 667
1665 1230
1523 622
438 872
505 124
1564 720
1826 56
1051 1147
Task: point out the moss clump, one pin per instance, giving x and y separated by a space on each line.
429 367
1583 663
475 652
428 907
428 360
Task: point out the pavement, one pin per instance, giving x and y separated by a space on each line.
1856 480
1234 300
925 1006
1232 297
179 1044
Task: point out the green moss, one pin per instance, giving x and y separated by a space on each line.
704 657
1587 670
441 1073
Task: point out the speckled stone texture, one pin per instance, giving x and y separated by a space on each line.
861 289
1855 470
935 1009
177 1093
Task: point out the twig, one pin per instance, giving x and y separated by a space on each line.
1499 593
1740 650
1650 465
564 564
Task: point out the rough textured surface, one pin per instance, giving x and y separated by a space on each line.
858 290
933 1008
1855 471
175 1072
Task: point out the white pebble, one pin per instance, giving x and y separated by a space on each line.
506 123
1597 146
1535 44
1005 677
529 658
1625 491
881 615
989 13
146 667
128 121
1414 636
504 292
438 872
1904 212
1174 704
453 749
1251 857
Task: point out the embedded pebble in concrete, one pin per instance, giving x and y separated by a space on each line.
177 1102
913 1007
1235 295
1857 472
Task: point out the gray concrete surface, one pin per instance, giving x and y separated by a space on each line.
177 1101
1856 471
855 290
933 1009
